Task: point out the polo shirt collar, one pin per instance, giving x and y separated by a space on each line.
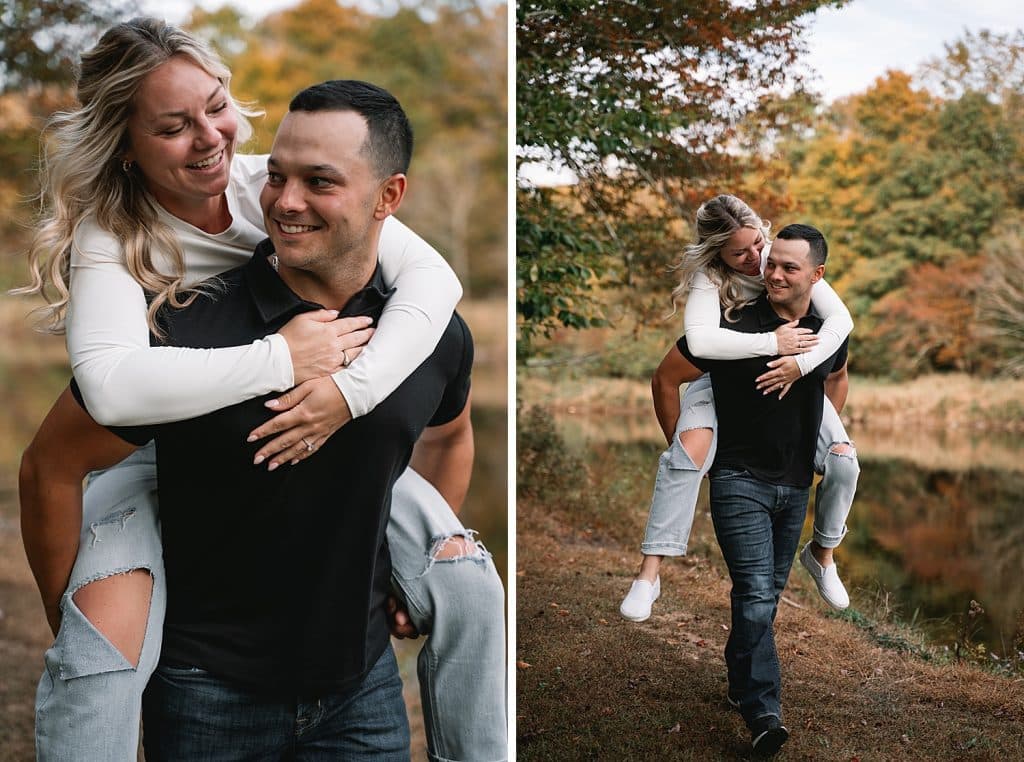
767 316
276 302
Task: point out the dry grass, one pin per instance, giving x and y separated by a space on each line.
594 686
951 401
950 422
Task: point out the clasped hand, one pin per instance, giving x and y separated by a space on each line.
315 408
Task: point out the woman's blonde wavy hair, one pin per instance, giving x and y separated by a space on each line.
82 173
717 219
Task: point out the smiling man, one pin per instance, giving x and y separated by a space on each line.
762 473
276 641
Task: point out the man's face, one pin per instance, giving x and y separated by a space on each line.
789 273
322 195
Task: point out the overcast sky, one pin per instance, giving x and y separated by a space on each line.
853 45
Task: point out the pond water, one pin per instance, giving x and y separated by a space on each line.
938 521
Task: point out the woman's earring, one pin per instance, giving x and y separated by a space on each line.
126 166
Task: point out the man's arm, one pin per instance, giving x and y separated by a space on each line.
837 386
68 445
673 371
443 456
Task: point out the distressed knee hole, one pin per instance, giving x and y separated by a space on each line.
455 547
843 448
696 443
118 607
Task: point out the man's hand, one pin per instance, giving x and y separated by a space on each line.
399 621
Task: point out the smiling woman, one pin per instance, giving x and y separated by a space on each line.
184 153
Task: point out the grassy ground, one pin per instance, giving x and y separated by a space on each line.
593 686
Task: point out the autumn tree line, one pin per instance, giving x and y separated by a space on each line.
445 61
916 181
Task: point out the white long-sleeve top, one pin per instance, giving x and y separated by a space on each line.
125 381
706 338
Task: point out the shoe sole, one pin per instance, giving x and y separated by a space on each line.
634 618
770 741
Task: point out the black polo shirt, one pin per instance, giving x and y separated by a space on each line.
279 579
773 439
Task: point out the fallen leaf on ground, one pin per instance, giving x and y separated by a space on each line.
523 665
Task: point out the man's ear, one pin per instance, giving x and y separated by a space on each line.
392 191
819 273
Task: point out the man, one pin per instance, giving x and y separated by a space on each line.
762 472
276 639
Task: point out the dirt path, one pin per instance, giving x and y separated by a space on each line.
594 686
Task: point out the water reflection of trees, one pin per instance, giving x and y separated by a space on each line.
936 521
939 538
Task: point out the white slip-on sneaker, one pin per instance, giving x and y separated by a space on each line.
636 606
830 587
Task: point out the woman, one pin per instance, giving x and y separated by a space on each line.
723 270
144 199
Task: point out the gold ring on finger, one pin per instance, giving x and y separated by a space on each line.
344 359
309 445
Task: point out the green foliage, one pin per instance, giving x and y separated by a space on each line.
909 187
40 39
642 103
560 262
545 467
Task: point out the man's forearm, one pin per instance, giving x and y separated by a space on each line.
837 389
51 522
444 457
666 405
68 445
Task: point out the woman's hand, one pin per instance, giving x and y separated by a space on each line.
310 413
793 340
321 345
783 373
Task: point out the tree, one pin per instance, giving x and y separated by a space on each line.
40 39
909 188
1001 297
631 97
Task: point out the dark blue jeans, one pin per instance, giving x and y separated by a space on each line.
188 714
758 528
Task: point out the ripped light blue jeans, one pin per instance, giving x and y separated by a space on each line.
89 697
678 481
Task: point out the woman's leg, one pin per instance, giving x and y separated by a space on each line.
454 596
680 470
836 460
88 701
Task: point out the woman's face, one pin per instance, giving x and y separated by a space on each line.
742 252
182 137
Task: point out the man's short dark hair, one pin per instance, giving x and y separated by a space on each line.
814 237
389 137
